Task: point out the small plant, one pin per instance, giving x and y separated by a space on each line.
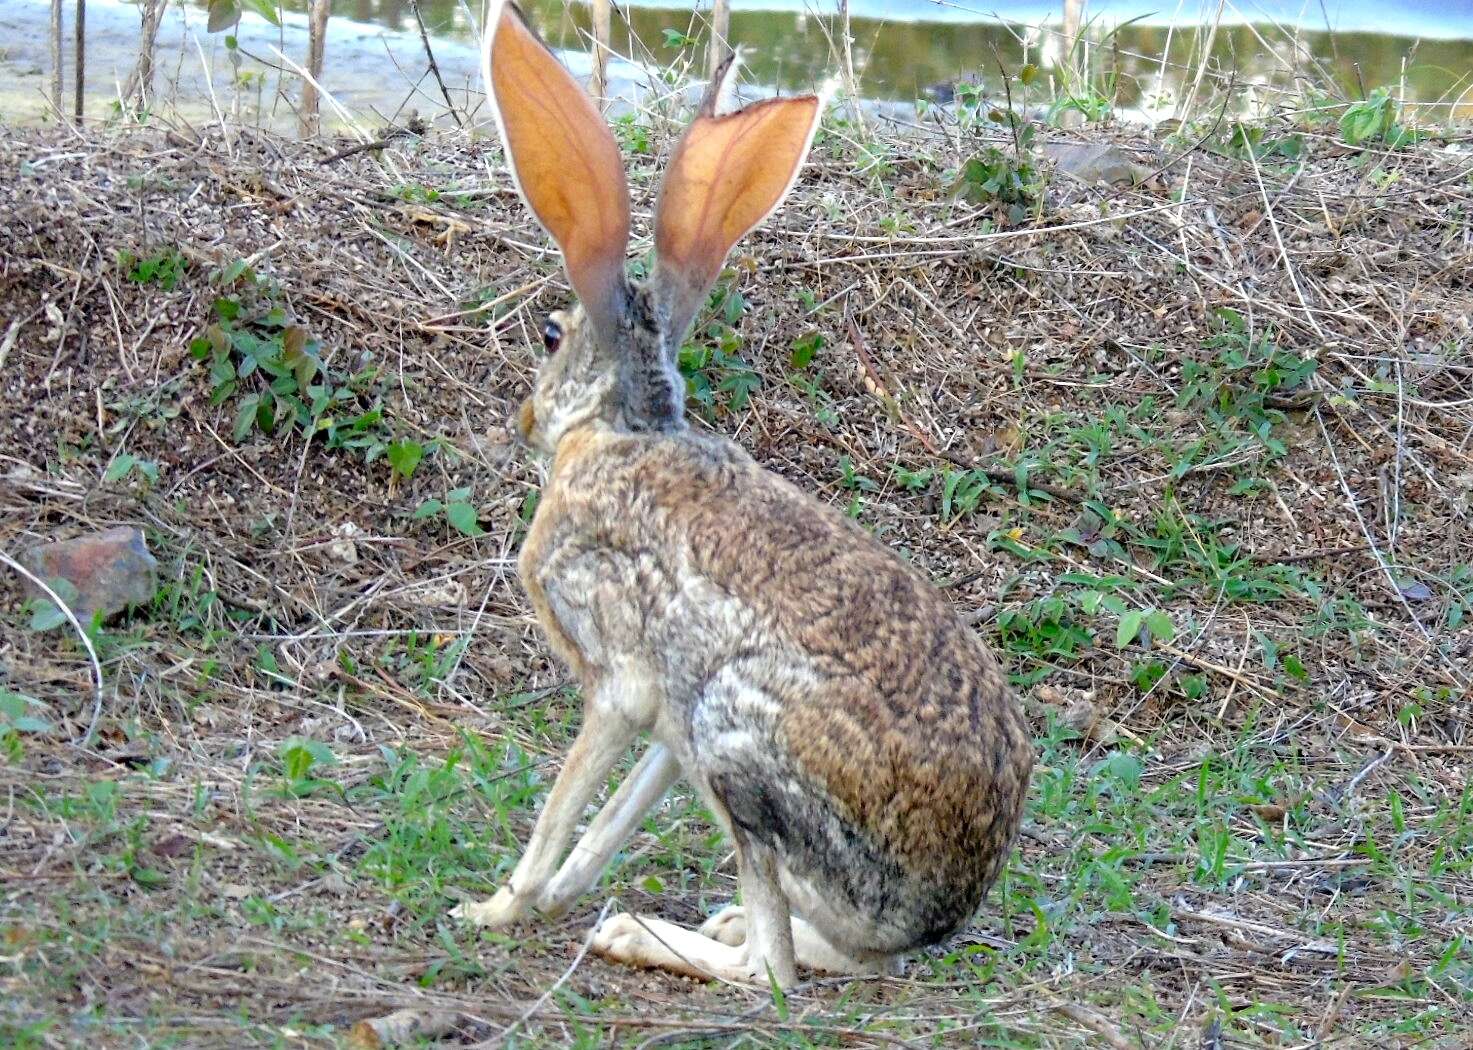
632 135
404 457
914 480
275 373
716 376
995 175
1248 376
1087 101
431 658
962 492
1376 118
18 714
164 268
1043 632
1252 140
851 479
298 759
414 193
125 464
805 348
456 508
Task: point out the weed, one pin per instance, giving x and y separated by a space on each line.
164 268
125 464
298 759
457 510
993 175
1253 140
275 374
633 135
1376 119
716 377
19 714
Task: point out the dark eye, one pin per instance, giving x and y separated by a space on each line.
552 335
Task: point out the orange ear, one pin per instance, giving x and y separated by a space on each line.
728 174
562 156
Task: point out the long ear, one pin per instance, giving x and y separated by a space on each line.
728 173
563 159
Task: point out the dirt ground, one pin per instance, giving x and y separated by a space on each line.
1195 457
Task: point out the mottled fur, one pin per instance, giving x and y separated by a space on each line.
824 695
855 739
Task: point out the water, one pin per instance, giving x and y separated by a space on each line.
905 47
1145 55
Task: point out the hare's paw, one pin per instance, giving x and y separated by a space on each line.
729 926
501 910
658 945
622 938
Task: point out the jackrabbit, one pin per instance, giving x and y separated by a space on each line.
853 738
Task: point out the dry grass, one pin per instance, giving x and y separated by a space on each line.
1252 821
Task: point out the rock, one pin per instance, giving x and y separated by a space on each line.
109 570
342 548
1093 162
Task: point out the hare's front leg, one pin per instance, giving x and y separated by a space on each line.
641 790
608 731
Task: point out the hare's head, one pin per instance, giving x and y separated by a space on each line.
613 356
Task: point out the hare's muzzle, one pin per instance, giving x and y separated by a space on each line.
526 421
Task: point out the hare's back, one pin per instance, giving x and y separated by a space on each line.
852 721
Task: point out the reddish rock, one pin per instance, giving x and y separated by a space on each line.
110 570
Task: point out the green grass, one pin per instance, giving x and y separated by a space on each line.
1250 822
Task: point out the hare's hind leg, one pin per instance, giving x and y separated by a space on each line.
810 948
606 734
653 943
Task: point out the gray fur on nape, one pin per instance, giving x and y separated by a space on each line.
651 388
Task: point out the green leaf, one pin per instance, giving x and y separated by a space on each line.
1160 625
148 878
45 616
266 414
463 517
223 13
118 469
779 1000
266 9
1130 627
428 509
804 349
14 708
404 456
1125 768
245 417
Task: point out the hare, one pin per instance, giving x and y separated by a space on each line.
855 741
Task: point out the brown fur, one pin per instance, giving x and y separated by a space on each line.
913 731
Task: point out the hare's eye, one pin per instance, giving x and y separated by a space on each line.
552 335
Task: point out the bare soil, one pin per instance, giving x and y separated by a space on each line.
1232 408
